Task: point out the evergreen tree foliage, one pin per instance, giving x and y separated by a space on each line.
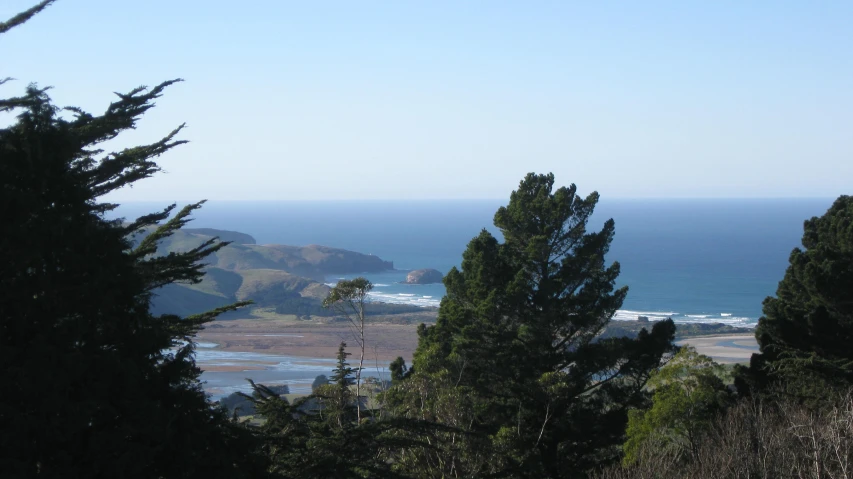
337 399
320 380
94 384
806 332
23 16
398 369
342 374
240 404
513 362
318 436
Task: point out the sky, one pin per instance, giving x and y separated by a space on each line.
294 100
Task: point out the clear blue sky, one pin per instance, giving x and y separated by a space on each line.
376 100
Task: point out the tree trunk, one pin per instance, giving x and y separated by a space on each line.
360 360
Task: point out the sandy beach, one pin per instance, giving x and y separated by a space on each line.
385 342
730 348
280 351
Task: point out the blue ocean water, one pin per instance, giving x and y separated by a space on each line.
696 260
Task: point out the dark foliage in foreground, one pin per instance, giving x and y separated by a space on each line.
240 405
319 436
94 385
513 364
807 329
24 16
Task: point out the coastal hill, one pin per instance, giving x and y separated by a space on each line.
265 274
312 261
289 281
224 235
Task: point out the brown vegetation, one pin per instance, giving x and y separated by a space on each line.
762 440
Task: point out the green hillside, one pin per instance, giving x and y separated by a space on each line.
225 235
265 285
269 275
185 300
312 261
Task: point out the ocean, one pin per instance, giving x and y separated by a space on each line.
695 260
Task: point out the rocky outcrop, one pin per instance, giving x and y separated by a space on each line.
424 276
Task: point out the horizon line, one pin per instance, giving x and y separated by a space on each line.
376 200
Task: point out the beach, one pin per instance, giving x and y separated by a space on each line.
279 351
385 342
725 349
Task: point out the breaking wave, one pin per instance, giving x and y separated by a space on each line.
725 318
404 298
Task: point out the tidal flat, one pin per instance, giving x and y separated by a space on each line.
286 351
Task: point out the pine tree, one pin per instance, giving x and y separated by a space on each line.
318 436
94 385
807 329
22 17
320 380
342 374
398 369
339 402
513 361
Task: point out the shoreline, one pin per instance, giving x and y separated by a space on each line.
724 348
387 341
390 287
283 351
